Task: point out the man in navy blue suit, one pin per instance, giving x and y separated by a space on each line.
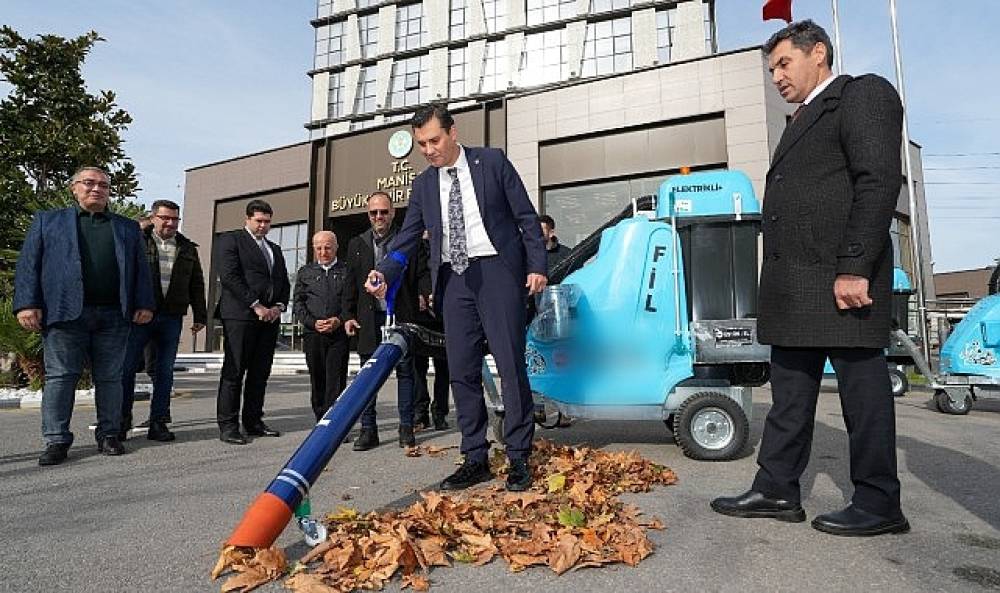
82 278
487 253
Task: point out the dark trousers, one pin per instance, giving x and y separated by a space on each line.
404 386
439 405
249 351
163 333
869 414
326 357
486 302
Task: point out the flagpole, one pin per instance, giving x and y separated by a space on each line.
838 51
915 247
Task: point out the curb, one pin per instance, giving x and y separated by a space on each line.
32 400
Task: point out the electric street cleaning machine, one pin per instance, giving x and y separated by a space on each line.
969 359
661 324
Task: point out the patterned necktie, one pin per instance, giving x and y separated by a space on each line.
457 249
798 111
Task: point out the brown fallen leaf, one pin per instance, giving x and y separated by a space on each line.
229 556
565 554
272 561
247 580
417 581
309 583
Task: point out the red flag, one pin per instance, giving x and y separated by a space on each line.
778 9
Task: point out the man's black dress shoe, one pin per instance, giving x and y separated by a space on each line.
422 421
518 476
367 439
440 423
233 437
853 521
54 454
752 504
158 431
469 474
406 438
262 430
110 445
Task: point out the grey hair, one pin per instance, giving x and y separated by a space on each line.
82 170
803 35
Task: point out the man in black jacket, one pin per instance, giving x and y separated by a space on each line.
825 285
555 251
178 283
255 291
365 314
319 293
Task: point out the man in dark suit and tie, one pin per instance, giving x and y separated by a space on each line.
255 290
486 254
825 284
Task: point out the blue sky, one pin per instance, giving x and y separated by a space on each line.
210 80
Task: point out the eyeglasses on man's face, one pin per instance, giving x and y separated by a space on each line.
377 213
165 218
91 183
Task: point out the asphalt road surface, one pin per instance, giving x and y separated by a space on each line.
154 520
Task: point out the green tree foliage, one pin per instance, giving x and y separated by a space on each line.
49 127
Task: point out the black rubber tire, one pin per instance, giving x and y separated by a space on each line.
900 384
689 411
496 425
945 405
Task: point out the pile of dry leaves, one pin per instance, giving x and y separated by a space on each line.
571 518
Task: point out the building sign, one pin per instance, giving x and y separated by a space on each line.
398 184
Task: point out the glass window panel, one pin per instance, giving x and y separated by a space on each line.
368 25
495 12
664 33
580 210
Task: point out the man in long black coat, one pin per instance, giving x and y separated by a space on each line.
825 283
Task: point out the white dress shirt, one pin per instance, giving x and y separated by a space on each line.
819 89
477 241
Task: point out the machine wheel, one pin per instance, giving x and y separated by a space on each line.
496 425
669 421
712 427
945 405
900 384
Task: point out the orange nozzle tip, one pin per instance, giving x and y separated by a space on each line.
262 523
685 170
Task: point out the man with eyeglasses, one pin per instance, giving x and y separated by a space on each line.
178 283
255 291
365 314
82 280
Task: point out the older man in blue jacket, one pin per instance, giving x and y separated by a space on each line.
81 280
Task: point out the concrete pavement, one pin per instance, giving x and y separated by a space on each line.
154 519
